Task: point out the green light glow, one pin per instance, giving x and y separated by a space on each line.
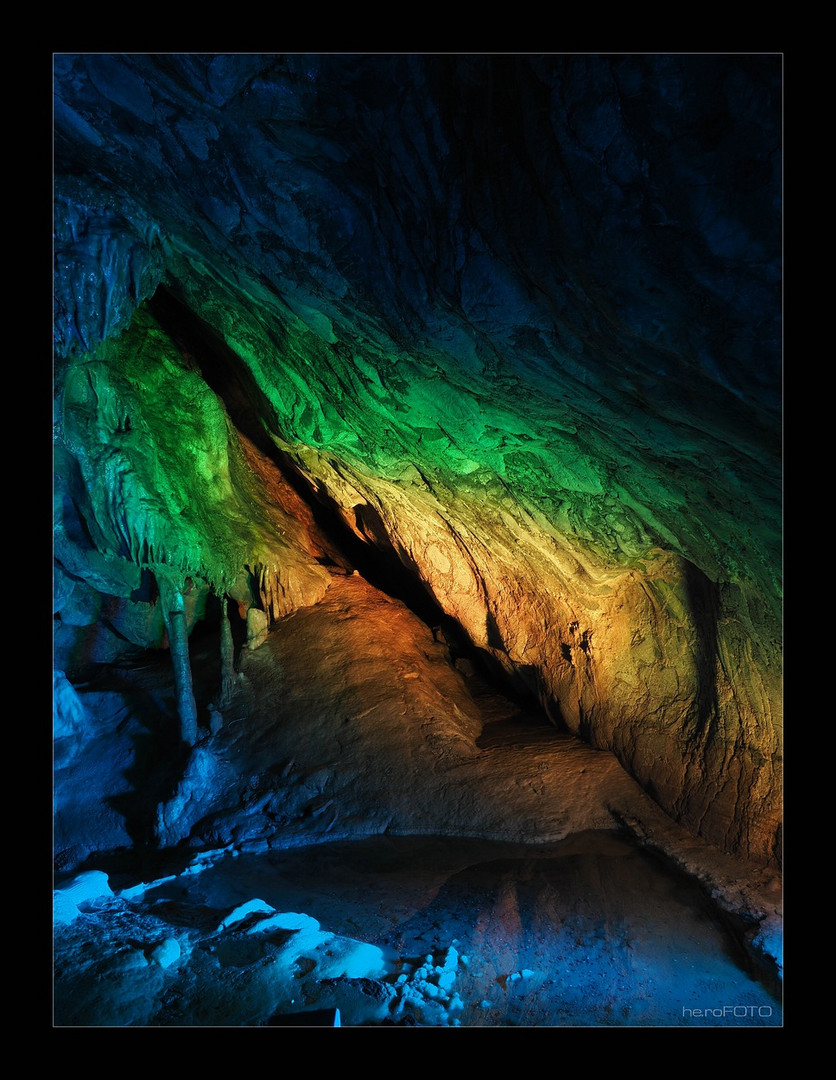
166 478
532 436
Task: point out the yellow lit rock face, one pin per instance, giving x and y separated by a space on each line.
512 324
650 661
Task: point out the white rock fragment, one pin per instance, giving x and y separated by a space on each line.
353 960
293 920
134 892
85 887
451 959
516 976
456 1004
447 970
241 912
165 954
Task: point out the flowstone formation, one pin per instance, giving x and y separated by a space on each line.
508 325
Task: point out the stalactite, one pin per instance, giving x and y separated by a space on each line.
174 613
227 659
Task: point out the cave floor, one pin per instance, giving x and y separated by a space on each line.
589 932
449 858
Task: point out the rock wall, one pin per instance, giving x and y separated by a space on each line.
515 319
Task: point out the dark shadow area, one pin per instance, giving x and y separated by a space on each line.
125 867
159 757
222 370
704 604
139 697
311 1018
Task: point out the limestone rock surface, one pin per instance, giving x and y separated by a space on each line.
505 327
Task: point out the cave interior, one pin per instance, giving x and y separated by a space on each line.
417 540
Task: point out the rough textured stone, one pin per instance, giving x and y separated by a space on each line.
514 321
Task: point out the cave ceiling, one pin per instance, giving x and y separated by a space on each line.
514 322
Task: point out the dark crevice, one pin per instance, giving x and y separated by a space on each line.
375 559
704 603
221 368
